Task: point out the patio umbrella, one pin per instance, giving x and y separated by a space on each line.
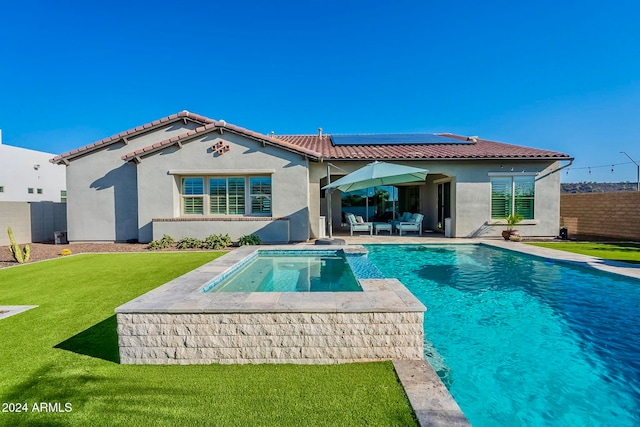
376 174
373 175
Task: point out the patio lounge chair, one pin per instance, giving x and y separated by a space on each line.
414 224
404 218
358 226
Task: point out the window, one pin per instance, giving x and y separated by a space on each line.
39 190
260 193
1 189
63 196
512 194
30 190
218 196
193 196
226 195
236 196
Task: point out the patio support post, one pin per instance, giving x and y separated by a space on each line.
328 193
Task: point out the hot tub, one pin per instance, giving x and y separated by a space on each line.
183 322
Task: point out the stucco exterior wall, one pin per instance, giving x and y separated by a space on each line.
159 178
101 189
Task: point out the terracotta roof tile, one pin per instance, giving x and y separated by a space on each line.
225 127
115 138
321 147
481 149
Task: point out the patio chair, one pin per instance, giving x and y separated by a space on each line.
358 226
414 224
404 218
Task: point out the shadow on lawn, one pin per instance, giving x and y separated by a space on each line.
100 341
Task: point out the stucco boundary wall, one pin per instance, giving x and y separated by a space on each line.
32 222
601 215
301 338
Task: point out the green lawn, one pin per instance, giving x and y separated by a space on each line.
627 252
65 351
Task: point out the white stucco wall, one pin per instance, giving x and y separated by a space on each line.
21 169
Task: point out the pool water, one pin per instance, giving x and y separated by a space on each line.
291 273
523 341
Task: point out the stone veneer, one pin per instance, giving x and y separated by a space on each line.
269 337
178 324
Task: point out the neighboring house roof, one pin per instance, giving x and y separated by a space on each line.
320 147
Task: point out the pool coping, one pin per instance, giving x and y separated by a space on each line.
609 266
429 398
182 295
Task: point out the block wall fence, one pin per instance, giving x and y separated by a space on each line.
601 215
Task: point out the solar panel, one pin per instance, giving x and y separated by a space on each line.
395 139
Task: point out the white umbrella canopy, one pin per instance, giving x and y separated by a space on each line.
377 174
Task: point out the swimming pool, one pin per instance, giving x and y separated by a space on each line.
521 340
288 271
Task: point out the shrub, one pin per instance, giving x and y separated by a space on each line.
65 252
163 243
216 241
189 243
249 239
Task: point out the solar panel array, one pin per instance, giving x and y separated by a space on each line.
395 139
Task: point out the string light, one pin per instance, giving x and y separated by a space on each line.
589 168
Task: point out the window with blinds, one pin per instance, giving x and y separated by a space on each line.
512 194
193 196
226 195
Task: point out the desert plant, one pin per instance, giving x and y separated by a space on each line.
189 243
163 243
65 252
249 239
216 241
20 255
513 220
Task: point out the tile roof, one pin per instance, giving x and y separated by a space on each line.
480 149
222 126
122 136
320 147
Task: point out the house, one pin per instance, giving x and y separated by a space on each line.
186 175
27 176
31 192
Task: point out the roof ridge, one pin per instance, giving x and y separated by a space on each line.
210 127
184 114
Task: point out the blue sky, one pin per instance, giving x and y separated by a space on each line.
556 75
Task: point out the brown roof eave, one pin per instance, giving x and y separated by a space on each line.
124 136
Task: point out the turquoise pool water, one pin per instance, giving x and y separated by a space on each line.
282 272
523 341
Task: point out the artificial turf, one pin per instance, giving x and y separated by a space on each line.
626 252
64 354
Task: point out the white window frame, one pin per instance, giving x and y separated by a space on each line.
246 197
512 176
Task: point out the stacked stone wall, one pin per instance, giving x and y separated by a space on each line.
302 338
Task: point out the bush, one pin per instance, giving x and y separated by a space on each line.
250 239
163 243
189 243
216 241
